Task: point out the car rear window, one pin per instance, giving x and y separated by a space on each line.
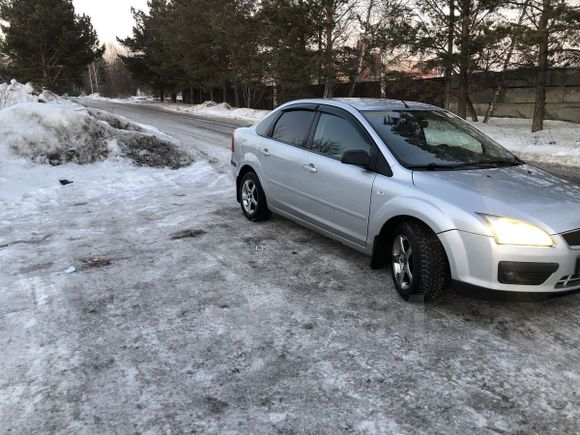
293 126
263 128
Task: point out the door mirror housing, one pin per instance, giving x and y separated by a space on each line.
356 157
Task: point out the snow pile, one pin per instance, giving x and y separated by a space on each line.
220 110
558 143
57 134
136 99
16 93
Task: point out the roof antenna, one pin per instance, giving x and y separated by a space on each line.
406 105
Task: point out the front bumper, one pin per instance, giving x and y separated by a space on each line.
475 260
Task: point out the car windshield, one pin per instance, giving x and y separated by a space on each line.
437 140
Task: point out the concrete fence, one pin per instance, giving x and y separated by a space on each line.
517 100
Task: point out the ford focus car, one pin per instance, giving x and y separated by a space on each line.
417 189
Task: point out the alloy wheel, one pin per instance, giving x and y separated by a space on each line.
403 261
249 196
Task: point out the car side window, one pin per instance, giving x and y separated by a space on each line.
293 126
335 135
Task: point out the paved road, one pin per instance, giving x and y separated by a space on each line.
265 328
214 134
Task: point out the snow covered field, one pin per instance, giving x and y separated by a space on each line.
558 143
181 316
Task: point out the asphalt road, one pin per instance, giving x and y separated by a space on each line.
250 328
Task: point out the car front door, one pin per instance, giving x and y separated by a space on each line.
333 195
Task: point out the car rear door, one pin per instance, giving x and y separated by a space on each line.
280 154
333 195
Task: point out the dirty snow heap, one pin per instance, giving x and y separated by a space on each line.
45 128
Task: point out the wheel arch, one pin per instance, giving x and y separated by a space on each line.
382 240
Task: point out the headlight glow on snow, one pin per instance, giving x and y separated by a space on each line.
508 231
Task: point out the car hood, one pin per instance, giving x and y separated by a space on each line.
522 192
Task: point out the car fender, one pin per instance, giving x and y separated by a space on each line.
250 159
419 208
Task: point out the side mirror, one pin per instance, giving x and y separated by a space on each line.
356 157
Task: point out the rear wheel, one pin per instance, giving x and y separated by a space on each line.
418 262
252 198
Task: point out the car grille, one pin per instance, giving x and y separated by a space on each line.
572 238
568 281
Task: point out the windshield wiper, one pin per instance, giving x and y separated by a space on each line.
475 165
499 163
438 167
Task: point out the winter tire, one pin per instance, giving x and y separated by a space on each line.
418 262
252 198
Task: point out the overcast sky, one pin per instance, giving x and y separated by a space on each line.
111 18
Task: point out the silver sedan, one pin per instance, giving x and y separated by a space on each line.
418 190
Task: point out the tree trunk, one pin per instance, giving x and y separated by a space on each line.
174 97
508 58
91 80
363 49
237 94
211 94
540 105
464 58
449 68
471 109
162 95
329 49
383 75
320 57
225 92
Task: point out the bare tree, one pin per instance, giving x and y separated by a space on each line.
507 61
363 42
338 17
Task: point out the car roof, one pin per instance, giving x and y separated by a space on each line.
363 104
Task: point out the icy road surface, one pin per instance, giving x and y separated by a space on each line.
199 321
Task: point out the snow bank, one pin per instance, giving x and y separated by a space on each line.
16 93
57 134
208 109
225 111
130 100
211 109
558 143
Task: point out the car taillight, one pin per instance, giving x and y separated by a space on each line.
233 144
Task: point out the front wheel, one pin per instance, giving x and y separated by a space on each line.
253 198
418 262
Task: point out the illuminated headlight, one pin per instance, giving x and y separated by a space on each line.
508 231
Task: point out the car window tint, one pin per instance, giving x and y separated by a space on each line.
335 135
293 126
263 128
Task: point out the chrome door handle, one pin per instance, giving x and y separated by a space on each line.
266 152
310 168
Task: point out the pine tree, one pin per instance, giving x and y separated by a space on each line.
149 60
455 40
47 43
335 19
552 30
289 31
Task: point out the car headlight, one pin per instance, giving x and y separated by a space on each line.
508 231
